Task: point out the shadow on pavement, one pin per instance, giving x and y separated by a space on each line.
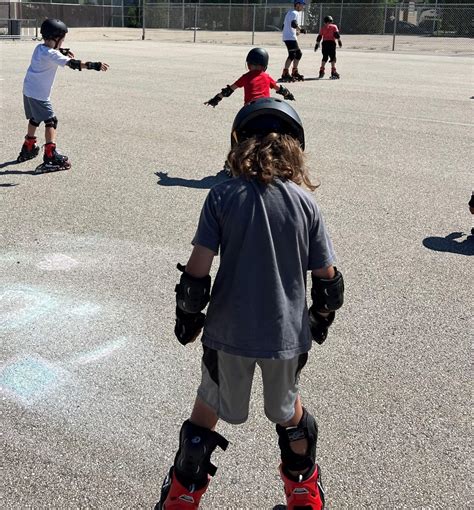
204 183
8 185
449 243
14 172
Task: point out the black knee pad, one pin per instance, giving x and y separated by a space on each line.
292 54
52 122
192 463
298 54
34 123
306 429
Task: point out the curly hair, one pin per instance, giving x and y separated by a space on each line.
269 157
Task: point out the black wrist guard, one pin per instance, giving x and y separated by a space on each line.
214 101
94 65
285 93
319 325
64 51
74 64
188 325
228 91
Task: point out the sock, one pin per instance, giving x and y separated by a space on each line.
49 149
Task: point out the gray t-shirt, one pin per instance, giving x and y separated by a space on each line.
269 237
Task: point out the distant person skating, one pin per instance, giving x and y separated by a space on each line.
291 30
37 85
256 82
329 34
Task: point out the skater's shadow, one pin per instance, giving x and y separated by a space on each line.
8 185
449 243
8 163
204 183
14 172
18 172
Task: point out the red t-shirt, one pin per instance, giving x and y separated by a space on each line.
256 84
328 31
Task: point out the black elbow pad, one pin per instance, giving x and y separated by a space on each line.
294 24
192 294
328 293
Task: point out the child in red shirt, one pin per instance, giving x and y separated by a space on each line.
256 83
329 33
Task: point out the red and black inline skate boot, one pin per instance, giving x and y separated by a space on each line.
321 73
285 76
52 160
296 76
334 74
305 494
174 496
29 149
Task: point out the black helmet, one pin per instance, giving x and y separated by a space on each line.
267 115
53 29
258 57
328 19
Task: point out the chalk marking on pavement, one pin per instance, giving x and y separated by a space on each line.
100 352
57 262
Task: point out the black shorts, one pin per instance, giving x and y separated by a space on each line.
328 49
291 46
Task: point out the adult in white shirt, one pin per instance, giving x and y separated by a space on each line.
291 30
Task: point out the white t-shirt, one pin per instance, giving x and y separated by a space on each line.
40 75
289 33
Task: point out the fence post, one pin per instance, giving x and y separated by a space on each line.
182 17
435 17
340 15
195 21
36 28
384 19
265 15
395 21
143 19
320 17
123 14
253 23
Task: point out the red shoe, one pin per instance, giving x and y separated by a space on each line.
175 496
307 494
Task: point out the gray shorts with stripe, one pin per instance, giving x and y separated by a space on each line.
227 382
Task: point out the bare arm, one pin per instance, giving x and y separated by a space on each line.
200 261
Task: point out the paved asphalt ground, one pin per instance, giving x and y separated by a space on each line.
94 384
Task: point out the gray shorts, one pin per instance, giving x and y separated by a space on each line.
37 110
227 381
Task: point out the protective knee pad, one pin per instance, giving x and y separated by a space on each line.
292 54
192 463
33 122
298 54
306 429
52 122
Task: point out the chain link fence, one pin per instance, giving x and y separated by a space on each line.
257 23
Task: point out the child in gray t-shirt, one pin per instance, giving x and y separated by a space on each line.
269 232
